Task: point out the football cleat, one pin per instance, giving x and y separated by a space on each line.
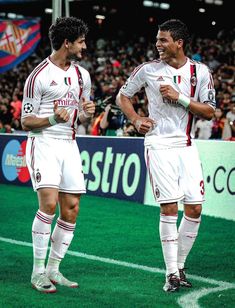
58 278
183 280
41 283
172 283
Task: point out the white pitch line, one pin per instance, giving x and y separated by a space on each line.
185 301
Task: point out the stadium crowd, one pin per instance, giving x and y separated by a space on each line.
110 63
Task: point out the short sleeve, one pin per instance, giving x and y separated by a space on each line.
207 91
134 83
31 97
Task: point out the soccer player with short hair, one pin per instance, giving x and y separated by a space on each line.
56 100
177 88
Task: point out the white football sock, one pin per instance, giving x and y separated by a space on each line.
188 231
169 240
60 241
41 231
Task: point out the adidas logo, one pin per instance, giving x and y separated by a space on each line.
160 78
53 83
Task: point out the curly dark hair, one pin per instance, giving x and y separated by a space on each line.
177 29
70 28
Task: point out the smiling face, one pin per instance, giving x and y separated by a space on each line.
75 49
167 48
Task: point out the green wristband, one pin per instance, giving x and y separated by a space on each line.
52 120
184 100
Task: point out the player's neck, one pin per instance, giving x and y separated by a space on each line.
177 62
60 60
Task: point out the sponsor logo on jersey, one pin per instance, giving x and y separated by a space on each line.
14 162
68 100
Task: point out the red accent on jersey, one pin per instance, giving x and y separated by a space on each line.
189 127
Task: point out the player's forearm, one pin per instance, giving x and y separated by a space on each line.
126 106
30 123
202 110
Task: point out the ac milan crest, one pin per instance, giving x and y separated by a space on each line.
193 81
157 192
38 177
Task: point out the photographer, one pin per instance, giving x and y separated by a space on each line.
113 119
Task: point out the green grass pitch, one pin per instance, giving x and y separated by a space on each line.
115 256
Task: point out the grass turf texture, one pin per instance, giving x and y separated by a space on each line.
113 229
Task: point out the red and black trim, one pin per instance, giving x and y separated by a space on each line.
193 82
65 226
140 66
31 81
193 79
80 82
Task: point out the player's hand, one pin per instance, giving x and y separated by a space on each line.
143 124
88 108
61 114
167 91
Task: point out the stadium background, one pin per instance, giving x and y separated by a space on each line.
116 252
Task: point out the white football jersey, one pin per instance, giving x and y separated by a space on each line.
173 122
48 84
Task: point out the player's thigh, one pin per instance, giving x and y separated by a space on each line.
42 162
191 176
72 175
163 171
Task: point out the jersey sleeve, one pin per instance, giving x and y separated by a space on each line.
134 83
31 97
207 91
87 87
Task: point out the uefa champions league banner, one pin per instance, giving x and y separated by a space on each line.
113 167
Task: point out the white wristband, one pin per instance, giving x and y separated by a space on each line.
184 100
52 120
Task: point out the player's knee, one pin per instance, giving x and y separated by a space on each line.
75 209
48 207
169 209
193 211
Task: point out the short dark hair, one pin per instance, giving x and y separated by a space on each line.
70 28
177 29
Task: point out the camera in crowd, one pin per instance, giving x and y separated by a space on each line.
101 104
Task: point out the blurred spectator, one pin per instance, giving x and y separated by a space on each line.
225 102
203 129
129 130
229 126
217 124
112 120
95 129
110 61
5 113
16 107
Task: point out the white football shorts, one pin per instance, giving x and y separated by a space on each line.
175 175
55 163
